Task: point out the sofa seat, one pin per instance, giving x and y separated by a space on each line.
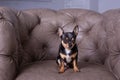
48 70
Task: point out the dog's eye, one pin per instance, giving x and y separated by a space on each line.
65 40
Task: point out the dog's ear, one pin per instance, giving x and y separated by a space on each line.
76 30
60 31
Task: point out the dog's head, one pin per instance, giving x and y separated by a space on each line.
68 39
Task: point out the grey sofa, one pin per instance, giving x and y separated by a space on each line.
29 44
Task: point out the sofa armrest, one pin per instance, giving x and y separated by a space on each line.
8 45
7 68
8 49
112 22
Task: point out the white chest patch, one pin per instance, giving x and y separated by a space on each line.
68 59
67 51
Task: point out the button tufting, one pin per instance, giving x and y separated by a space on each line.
86 60
44 47
56 31
1 17
75 20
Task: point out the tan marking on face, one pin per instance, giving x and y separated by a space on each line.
66 38
65 45
72 39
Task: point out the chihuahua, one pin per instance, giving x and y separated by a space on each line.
68 51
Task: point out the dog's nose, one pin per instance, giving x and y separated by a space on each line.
70 45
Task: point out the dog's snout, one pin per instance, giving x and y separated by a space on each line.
70 45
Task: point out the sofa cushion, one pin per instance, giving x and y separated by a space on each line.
48 70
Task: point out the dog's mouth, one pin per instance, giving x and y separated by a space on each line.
68 45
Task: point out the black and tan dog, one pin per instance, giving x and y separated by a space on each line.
68 52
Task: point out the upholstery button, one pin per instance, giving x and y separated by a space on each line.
44 47
86 60
75 20
56 31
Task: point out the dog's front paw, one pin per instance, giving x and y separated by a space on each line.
61 71
76 70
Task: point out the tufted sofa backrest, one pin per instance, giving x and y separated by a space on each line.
37 31
40 32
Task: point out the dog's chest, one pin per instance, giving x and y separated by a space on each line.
68 58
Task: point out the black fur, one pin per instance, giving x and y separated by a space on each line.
68 51
62 50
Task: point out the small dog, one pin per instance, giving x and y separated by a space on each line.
68 52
